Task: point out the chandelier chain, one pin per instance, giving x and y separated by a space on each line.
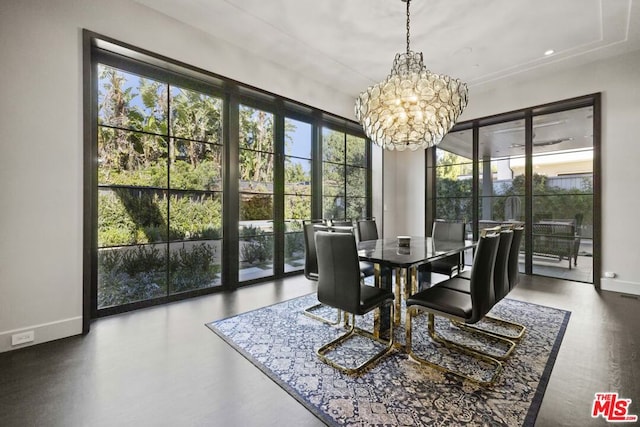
408 22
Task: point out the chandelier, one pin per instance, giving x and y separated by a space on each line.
413 107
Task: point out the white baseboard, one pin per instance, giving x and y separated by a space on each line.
43 333
632 288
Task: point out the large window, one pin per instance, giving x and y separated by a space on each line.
195 183
256 193
297 190
344 171
160 183
534 166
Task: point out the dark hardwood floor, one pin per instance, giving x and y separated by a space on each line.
161 366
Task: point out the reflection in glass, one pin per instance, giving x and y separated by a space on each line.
130 274
333 207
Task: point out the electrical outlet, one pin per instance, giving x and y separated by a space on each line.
609 274
22 338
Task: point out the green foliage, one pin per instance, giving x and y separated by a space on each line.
454 199
197 216
294 245
297 207
193 268
125 219
138 273
256 247
129 275
257 207
149 133
205 176
555 203
333 146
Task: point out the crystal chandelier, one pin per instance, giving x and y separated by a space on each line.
413 107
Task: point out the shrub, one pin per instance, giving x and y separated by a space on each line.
294 245
130 274
193 268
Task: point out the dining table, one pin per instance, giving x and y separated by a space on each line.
405 256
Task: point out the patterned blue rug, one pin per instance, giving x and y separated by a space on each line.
397 391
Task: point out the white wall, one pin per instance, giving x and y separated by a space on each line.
404 193
41 145
618 79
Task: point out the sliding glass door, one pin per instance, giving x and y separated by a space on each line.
297 189
256 163
195 183
563 194
535 167
159 189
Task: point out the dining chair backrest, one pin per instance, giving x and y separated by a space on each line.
450 231
338 271
481 286
514 254
501 268
367 229
340 222
310 255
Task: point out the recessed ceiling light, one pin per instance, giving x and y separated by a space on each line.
549 52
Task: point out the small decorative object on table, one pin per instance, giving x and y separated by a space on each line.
404 241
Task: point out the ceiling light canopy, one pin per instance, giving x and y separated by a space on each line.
413 107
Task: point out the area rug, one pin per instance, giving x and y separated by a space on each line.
281 341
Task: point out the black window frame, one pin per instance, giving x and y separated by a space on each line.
593 100
233 93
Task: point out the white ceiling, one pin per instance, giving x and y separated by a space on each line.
350 44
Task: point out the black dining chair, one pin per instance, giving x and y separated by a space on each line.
348 222
468 308
445 231
311 265
367 229
340 286
506 277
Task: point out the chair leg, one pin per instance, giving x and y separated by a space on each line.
309 312
449 344
353 330
519 329
498 337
